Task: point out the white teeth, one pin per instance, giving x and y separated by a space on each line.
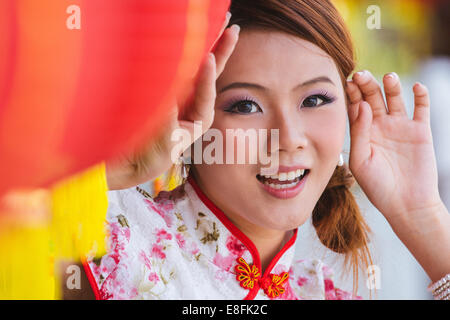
291 175
285 176
281 186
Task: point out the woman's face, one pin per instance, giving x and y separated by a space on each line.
276 81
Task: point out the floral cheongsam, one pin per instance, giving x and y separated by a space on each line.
181 246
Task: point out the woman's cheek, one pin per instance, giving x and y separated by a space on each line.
327 130
240 138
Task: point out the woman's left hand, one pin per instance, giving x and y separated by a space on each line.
391 156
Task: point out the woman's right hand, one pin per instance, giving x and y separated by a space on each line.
156 157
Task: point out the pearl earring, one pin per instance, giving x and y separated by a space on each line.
341 160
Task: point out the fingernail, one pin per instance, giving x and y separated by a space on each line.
235 28
361 73
417 85
392 75
228 15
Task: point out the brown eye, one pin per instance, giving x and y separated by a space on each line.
244 107
312 101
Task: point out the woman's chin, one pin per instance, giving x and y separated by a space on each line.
279 218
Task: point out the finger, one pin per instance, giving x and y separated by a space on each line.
353 92
224 25
354 98
171 122
421 103
393 92
202 106
225 47
174 112
371 91
216 41
360 147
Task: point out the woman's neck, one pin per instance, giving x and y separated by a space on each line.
268 242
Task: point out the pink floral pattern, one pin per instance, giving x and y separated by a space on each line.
144 259
152 207
224 262
174 247
236 247
110 272
162 234
180 240
158 251
301 281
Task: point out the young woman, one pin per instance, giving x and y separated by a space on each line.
229 232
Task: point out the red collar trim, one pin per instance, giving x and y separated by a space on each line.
241 236
91 278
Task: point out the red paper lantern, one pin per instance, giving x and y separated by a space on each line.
70 98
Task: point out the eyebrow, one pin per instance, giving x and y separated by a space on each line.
235 85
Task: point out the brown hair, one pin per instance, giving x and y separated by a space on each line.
336 216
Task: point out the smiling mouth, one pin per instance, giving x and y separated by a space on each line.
283 180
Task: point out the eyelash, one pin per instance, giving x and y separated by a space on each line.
323 95
327 98
236 101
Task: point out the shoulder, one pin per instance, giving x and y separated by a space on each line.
142 236
137 206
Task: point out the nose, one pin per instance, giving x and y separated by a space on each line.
292 137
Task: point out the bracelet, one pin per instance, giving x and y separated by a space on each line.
441 288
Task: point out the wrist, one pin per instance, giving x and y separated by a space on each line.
419 218
425 233
118 175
